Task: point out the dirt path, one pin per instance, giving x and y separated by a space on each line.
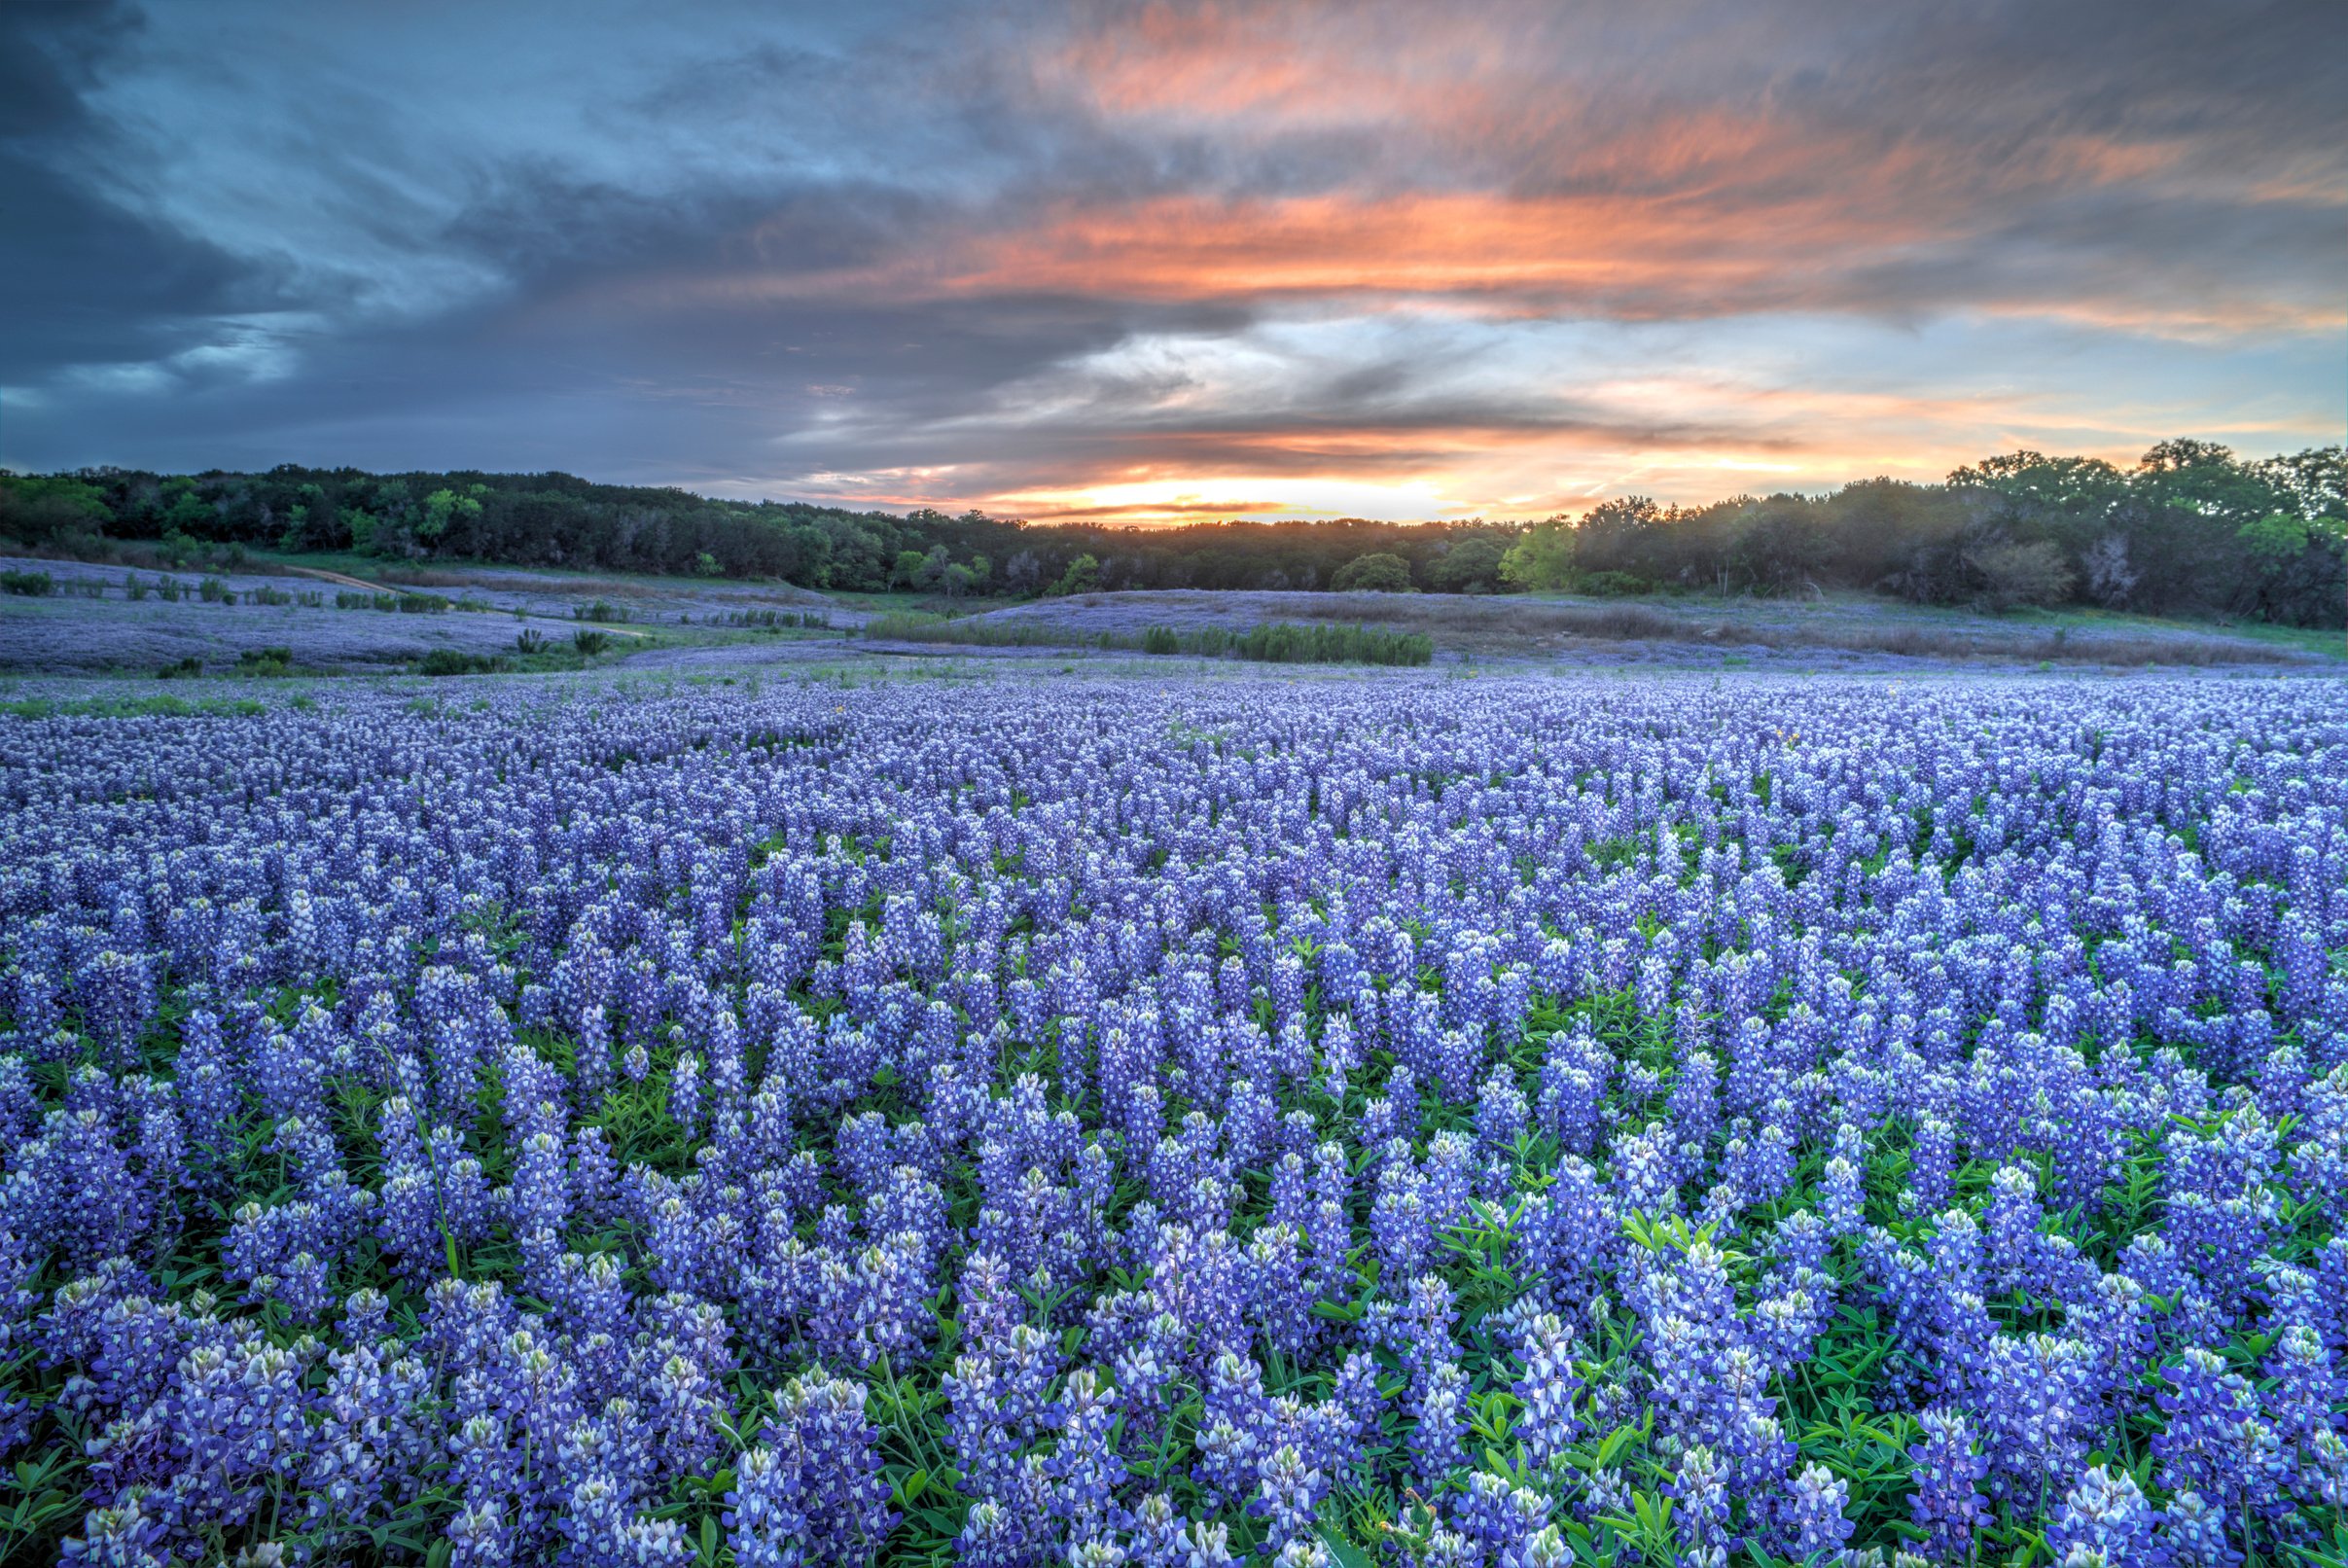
337 577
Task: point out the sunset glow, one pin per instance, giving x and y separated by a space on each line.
1156 263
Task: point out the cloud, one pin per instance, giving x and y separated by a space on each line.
1137 260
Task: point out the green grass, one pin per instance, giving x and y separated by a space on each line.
1279 643
132 707
2318 641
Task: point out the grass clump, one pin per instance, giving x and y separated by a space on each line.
456 662
1285 643
1278 643
132 707
773 620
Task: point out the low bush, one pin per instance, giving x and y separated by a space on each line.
1277 643
1379 572
773 620
29 584
1286 643
456 662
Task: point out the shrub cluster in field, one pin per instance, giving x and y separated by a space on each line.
388 602
1487 1126
1280 643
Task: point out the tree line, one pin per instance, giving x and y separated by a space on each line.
2189 529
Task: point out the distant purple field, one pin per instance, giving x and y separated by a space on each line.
73 635
94 624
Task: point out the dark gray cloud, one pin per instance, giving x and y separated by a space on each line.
84 279
932 252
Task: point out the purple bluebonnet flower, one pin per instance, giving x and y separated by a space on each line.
2105 1512
1810 1521
1700 1491
1549 1390
809 1491
1948 1469
2194 1534
2216 1442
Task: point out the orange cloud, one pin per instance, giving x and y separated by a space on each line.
1531 255
1705 215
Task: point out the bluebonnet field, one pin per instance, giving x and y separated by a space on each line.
1398 1119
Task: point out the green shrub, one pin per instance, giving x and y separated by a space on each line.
590 643
1616 585
1279 643
29 584
181 670
1379 572
456 662
773 620
601 610
212 591
530 642
1083 576
1284 643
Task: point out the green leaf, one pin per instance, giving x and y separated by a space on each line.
1348 1555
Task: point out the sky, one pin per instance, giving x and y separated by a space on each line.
1155 262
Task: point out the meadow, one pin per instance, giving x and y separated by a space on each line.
323 617
1360 1119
